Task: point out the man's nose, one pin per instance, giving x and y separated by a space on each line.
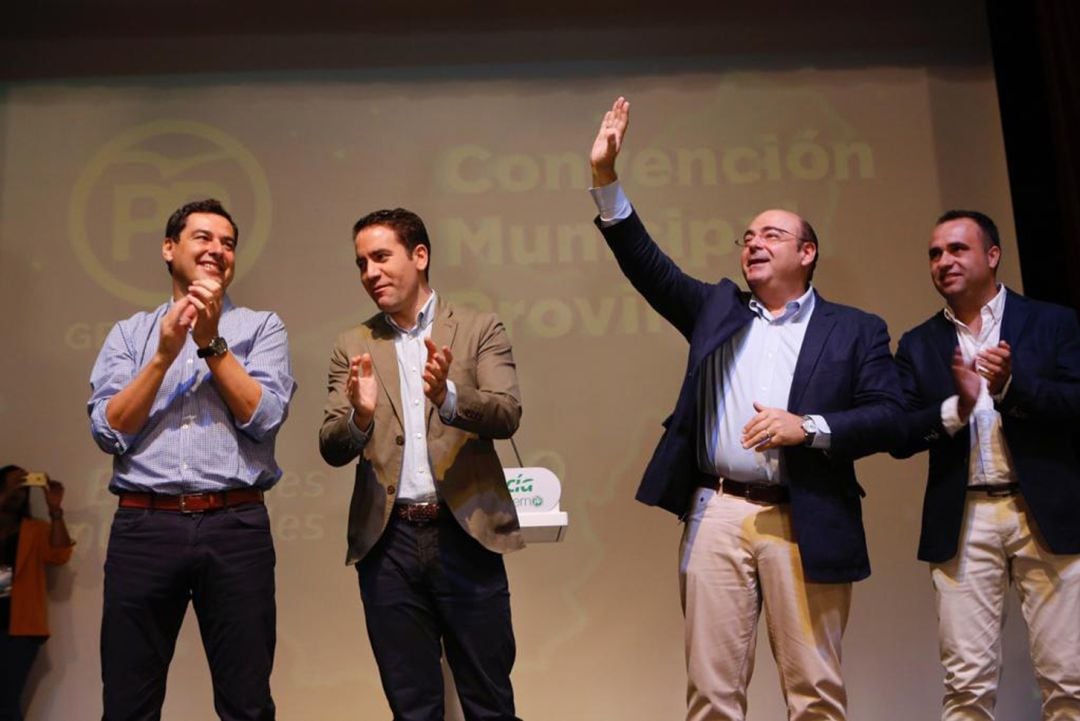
754 240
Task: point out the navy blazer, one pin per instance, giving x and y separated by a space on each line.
1039 416
844 372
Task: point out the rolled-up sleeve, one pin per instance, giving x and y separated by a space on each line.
268 364
113 370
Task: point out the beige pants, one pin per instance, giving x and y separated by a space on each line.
999 545
736 558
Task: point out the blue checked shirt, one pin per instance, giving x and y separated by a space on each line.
191 442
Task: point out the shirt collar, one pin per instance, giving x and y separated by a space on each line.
423 319
994 308
795 311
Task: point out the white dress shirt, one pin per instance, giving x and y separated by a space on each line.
990 462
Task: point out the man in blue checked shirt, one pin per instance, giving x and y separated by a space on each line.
189 399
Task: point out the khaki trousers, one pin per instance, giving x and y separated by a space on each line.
999 545
737 558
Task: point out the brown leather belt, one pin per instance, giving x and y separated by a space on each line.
996 490
767 493
191 502
418 512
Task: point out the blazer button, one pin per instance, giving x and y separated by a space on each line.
400 440
390 490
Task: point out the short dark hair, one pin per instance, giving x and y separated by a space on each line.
175 225
406 224
986 225
178 220
24 509
808 233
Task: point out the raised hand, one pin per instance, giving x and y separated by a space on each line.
362 390
54 495
995 365
175 326
608 142
967 382
435 371
772 428
206 296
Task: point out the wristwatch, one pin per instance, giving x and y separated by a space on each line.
216 347
809 427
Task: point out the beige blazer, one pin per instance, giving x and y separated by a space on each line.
468 475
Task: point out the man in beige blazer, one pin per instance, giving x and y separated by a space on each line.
418 392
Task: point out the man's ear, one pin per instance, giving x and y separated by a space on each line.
420 255
167 247
994 256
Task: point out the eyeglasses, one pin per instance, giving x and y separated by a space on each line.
770 235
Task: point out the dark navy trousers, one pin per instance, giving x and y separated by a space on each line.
431 586
223 563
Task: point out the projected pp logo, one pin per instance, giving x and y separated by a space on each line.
132 184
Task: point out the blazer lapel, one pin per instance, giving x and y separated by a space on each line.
1015 319
724 319
384 360
820 327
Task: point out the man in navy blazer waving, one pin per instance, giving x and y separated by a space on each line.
783 391
992 389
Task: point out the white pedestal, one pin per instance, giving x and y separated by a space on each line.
536 493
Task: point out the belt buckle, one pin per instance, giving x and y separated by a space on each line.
185 497
1003 492
421 514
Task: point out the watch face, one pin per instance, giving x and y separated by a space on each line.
215 347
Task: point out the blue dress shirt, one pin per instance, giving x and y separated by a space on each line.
190 442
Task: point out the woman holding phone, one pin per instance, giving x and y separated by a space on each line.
27 544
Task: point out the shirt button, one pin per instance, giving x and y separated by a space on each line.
416 402
418 435
390 490
183 466
400 440
184 427
190 361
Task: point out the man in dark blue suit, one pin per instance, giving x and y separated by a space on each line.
783 391
992 389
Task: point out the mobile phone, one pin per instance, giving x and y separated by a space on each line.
36 478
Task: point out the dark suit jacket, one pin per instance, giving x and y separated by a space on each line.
844 372
1039 417
463 460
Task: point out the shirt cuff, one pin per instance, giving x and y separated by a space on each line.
612 203
360 436
950 415
999 397
266 416
108 438
448 409
823 437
